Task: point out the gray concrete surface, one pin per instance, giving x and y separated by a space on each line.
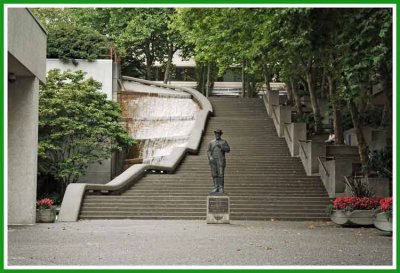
26 64
179 243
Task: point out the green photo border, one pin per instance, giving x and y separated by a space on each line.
210 2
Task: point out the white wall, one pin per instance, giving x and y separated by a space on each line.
23 103
99 70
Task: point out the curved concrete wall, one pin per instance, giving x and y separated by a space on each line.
74 194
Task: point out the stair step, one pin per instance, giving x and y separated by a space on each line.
261 178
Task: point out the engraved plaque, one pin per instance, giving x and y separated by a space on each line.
218 205
218 209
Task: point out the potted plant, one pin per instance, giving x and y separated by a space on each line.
44 211
353 210
383 219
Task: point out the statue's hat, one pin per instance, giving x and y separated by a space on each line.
218 131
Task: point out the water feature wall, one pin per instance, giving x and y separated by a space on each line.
159 121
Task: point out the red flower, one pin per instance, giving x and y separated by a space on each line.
356 203
44 203
385 204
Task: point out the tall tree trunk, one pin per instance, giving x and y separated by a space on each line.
204 82
289 93
149 61
208 80
362 146
168 64
267 79
296 97
243 80
336 109
387 86
313 98
323 81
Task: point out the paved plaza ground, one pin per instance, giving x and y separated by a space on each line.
178 242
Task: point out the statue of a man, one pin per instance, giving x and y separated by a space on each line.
216 156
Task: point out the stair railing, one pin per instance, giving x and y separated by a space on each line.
322 163
286 125
74 194
302 148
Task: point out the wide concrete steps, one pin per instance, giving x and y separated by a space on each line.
262 180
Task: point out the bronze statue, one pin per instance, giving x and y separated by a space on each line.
216 156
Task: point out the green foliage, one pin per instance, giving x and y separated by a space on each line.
141 35
67 39
381 162
77 126
69 42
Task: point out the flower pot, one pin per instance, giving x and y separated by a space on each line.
356 217
45 216
383 222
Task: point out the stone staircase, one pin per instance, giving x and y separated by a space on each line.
263 181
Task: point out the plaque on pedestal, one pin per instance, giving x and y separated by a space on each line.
218 209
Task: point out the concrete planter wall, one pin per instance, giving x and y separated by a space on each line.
45 215
332 174
383 222
294 132
309 152
271 98
281 115
380 186
356 217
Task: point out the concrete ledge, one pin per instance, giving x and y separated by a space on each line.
281 115
71 203
293 132
271 98
309 152
333 174
381 186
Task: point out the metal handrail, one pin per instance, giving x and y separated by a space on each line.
302 148
273 111
306 141
286 124
327 157
323 166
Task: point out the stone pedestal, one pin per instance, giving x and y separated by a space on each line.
218 209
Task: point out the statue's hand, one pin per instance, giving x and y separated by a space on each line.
210 158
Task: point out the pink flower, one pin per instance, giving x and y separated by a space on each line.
45 203
356 203
386 204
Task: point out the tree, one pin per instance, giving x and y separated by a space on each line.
67 39
70 42
77 126
367 48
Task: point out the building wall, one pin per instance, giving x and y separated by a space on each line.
375 138
99 70
23 101
26 63
27 41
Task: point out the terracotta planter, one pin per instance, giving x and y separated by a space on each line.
45 215
356 217
383 222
